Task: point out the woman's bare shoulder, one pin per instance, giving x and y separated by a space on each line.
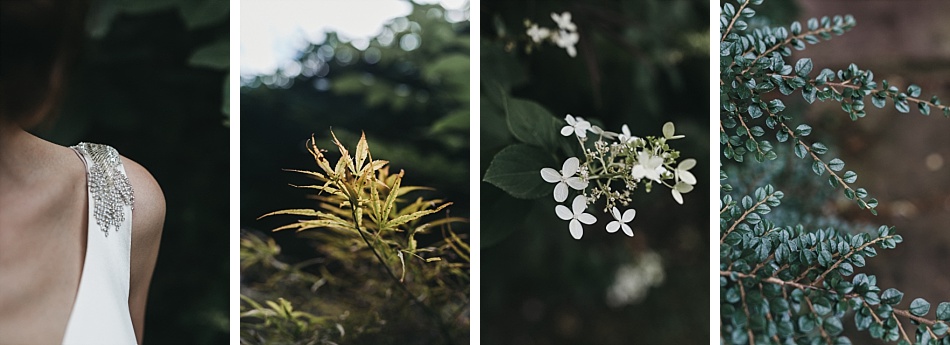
148 214
148 219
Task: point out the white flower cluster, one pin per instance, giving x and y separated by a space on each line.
565 36
616 160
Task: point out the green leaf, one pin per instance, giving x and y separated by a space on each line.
913 90
457 120
919 307
532 124
200 13
836 164
939 328
795 28
800 150
818 168
803 67
516 169
215 55
803 130
754 111
876 330
833 326
406 218
878 100
849 177
943 311
902 106
892 296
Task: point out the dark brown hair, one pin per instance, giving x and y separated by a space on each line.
38 41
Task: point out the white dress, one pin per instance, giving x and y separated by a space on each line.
100 314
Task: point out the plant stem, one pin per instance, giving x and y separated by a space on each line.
431 313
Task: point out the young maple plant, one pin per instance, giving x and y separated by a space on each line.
364 220
789 283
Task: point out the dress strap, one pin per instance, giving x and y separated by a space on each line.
100 313
109 186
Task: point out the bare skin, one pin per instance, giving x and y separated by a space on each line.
43 217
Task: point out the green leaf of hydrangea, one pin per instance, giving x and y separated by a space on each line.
532 124
516 169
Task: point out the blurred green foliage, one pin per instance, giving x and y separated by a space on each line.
148 85
408 90
539 286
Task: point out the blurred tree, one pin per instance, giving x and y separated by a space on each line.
150 84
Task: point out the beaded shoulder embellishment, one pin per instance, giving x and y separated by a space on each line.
110 188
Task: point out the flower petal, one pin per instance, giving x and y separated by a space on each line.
686 164
668 130
567 130
638 171
563 212
613 226
627 230
550 175
677 196
579 205
586 218
616 213
576 229
577 183
560 192
683 187
686 176
628 215
580 132
570 166
582 124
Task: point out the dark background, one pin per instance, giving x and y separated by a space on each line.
640 63
148 84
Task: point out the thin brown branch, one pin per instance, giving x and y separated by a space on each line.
745 308
733 21
821 329
900 327
741 218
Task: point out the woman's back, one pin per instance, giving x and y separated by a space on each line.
42 240
50 227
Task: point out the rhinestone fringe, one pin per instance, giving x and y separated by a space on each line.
110 188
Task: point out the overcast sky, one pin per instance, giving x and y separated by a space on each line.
272 31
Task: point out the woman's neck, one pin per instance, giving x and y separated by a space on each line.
23 156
